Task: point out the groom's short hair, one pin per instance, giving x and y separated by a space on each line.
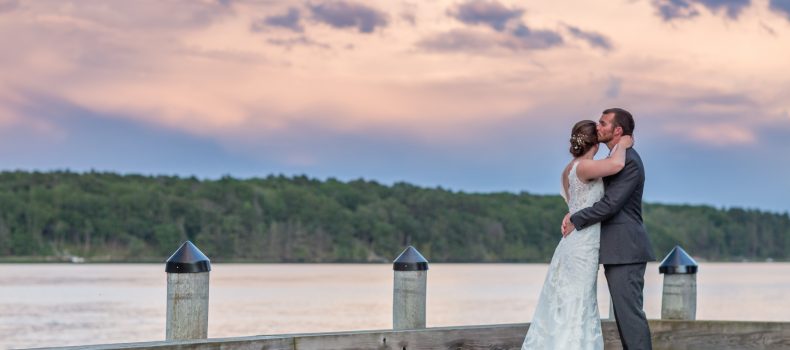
623 119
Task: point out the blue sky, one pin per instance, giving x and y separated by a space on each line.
468 95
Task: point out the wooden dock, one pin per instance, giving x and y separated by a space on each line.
692 335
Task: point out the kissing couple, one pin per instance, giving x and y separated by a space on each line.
604 226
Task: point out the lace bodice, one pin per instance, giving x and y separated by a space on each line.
580 194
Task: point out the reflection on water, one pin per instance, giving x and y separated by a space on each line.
58 305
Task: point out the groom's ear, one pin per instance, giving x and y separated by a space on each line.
618 131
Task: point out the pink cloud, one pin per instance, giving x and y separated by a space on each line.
13 117
715 134
195 67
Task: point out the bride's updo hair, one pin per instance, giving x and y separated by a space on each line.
584 136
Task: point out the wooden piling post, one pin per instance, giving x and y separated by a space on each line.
187 293
679 298
409 290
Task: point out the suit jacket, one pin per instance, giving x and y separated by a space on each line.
623 236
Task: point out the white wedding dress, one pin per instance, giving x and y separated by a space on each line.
567 313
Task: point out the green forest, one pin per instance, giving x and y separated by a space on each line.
129 218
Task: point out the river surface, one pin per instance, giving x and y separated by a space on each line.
77 304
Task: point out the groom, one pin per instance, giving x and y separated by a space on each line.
625 247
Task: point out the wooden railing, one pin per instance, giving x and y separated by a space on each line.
697 335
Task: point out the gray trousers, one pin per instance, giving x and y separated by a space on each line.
626 282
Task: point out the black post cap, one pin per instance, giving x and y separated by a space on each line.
188 259
678 262
410 260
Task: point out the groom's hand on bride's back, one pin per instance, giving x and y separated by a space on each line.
567 225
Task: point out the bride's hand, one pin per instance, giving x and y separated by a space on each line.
626 141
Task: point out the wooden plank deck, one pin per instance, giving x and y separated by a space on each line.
719 335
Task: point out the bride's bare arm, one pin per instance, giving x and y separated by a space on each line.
589 169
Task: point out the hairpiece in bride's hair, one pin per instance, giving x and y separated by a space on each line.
578 141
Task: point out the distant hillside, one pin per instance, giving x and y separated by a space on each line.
110 217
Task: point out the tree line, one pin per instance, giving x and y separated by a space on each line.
113 217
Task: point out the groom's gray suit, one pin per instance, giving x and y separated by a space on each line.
625 247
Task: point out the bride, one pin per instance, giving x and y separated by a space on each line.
567 313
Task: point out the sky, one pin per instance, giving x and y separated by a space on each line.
475 96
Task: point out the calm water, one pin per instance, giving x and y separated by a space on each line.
56 305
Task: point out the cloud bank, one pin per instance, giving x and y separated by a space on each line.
462 85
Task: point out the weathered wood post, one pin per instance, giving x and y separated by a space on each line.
187 293
408 302
679 299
